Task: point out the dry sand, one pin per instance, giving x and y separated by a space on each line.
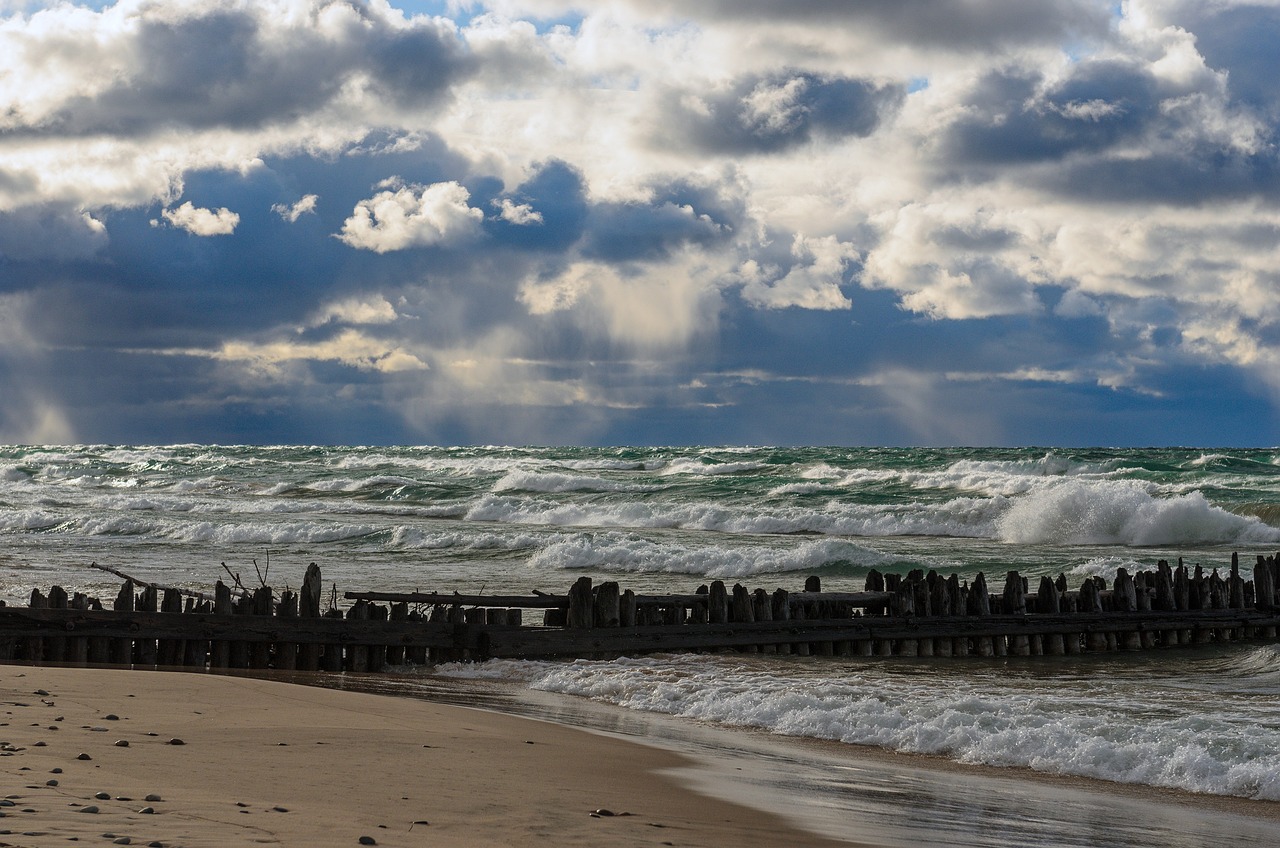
239 761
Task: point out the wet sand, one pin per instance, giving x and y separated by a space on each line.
230 761
276 763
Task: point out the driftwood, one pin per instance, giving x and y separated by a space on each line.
159 587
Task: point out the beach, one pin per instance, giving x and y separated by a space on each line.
217 760
240 761
1133 748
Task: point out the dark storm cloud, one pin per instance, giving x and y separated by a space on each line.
969 25
231 68
767 114
1240 39
1010 119
557 192
679 214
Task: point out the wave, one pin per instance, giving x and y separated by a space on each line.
1200 746
1124 513
705 467
545 481
632 554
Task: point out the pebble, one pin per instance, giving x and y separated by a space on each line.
111 717
51 783
92 808
146 811
175 741
102 796
368 840
153 797
84 757
122 743
123 840
55 771
41 744
40 692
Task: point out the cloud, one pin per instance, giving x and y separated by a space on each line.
406 216
306 205
202 222
813 282
349 347
654 221
520 214
768 114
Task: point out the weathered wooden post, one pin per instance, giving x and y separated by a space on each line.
37 646
78 646
979 606
242 605
1264 592
169 651
332 660
56 645
627 609
121 650
607 607
148 601
581 605
780 610
741 611
717 603
396 654
261 605
378 653
220 649
1090 604
1048 603
309 607
762 610
1014 602
358 655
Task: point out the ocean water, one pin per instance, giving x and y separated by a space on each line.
504 520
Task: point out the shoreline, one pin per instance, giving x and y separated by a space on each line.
292 759
822 785
249 761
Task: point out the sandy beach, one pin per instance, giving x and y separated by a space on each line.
179 759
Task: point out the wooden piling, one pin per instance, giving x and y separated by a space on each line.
309 607
121 650
606 609
581 614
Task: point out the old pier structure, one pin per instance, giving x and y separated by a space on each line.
912 615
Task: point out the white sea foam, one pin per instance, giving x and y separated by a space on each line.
1106 567
1123 513
13 474
546 481
1227 745
626 553
699 467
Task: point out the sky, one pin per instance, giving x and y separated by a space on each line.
886 222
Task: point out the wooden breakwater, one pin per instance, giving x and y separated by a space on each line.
912 615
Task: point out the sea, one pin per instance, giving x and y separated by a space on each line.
504 520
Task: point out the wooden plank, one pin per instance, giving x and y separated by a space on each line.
159 625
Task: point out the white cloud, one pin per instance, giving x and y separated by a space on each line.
520 214
292 212
350 347
412 216
202 222
813 282
373 309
